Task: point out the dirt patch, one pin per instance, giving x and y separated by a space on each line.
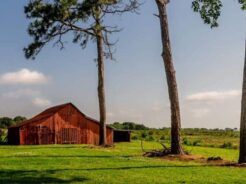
211 161
233 164
216 161
185 158
97 147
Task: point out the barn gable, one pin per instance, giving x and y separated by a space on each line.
63 124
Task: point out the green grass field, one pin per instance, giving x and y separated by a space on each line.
122 164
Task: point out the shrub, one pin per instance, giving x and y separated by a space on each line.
186 141
135 137
162 138
197 143
150 138
143 135
151 132
227 145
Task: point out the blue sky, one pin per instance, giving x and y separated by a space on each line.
208 63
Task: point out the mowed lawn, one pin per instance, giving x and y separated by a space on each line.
122 164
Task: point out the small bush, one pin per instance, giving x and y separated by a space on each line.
151 132
150 138
227 145
135 137
186 141
162 138
143 135
197 143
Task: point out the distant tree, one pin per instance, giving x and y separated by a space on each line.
19 119
5 122
51 20
117 125
140 127
128 126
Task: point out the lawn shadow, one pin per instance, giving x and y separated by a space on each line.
49 176
6 146
66 156
34 176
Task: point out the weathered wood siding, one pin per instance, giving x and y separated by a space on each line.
67 126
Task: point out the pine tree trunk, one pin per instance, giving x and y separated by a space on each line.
242 152
176 147
101 89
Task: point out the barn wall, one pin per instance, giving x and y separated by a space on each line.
110 136
72 118
67 126
92 132
89 129
93 129
66 132
40 132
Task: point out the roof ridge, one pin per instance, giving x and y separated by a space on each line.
48 112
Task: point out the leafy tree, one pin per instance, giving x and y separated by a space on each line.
116 125
19 119
140 127
5 122
51 20
210 11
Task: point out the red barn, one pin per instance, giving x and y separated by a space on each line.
63 124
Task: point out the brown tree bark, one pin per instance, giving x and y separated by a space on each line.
176 147
101 88
100 65
242 151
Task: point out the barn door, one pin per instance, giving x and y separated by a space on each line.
31 135
46 136
70 135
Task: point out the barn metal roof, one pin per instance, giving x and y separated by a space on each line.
50 112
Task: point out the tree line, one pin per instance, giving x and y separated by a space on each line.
6 122
51 20
128 126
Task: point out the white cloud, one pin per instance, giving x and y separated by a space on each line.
21 93
41 102
110 114
200 113
23 76
211 96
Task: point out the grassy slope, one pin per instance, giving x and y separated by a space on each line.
122 164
